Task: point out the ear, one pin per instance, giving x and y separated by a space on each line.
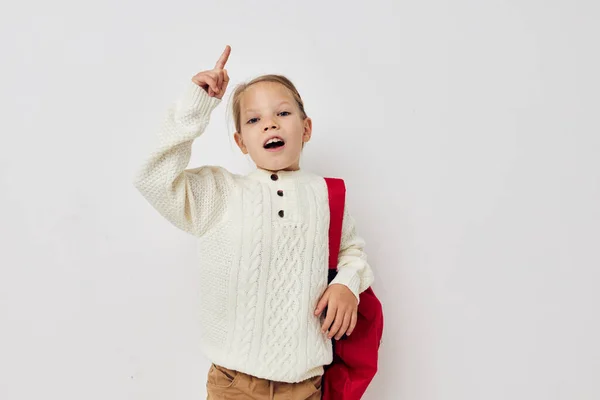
307 130
240 142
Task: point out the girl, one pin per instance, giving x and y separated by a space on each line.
263 240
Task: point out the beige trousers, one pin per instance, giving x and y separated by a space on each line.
227 384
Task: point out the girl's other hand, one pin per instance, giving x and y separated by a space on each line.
215 81
342 310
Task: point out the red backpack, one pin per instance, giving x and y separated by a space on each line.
354 357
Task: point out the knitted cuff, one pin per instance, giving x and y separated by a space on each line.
350 278
197 99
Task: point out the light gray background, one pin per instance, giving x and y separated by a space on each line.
467 132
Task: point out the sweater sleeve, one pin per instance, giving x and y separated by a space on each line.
193 200
353 268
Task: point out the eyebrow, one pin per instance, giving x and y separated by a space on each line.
247 110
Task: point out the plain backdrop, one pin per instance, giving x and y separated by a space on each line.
467 132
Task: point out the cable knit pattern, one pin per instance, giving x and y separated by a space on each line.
318 278
262 272
249 277
282 316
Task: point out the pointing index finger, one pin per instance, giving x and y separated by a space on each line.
223 59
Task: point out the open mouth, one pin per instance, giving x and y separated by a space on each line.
274 143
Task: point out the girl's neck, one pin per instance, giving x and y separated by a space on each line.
292 168
284 174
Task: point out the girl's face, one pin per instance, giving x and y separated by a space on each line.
272 129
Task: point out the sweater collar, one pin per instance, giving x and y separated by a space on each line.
271 176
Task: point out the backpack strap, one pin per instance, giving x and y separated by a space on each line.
337 197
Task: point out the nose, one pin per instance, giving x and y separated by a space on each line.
270 125
266 128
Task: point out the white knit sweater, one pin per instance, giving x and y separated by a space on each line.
262 270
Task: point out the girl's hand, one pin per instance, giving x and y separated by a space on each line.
215 81
342 306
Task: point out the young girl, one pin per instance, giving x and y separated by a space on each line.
263 240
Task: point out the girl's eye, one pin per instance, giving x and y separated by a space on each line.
252 120
284 113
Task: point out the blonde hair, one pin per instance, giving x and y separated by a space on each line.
241 88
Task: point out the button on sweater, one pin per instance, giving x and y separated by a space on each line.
263 250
